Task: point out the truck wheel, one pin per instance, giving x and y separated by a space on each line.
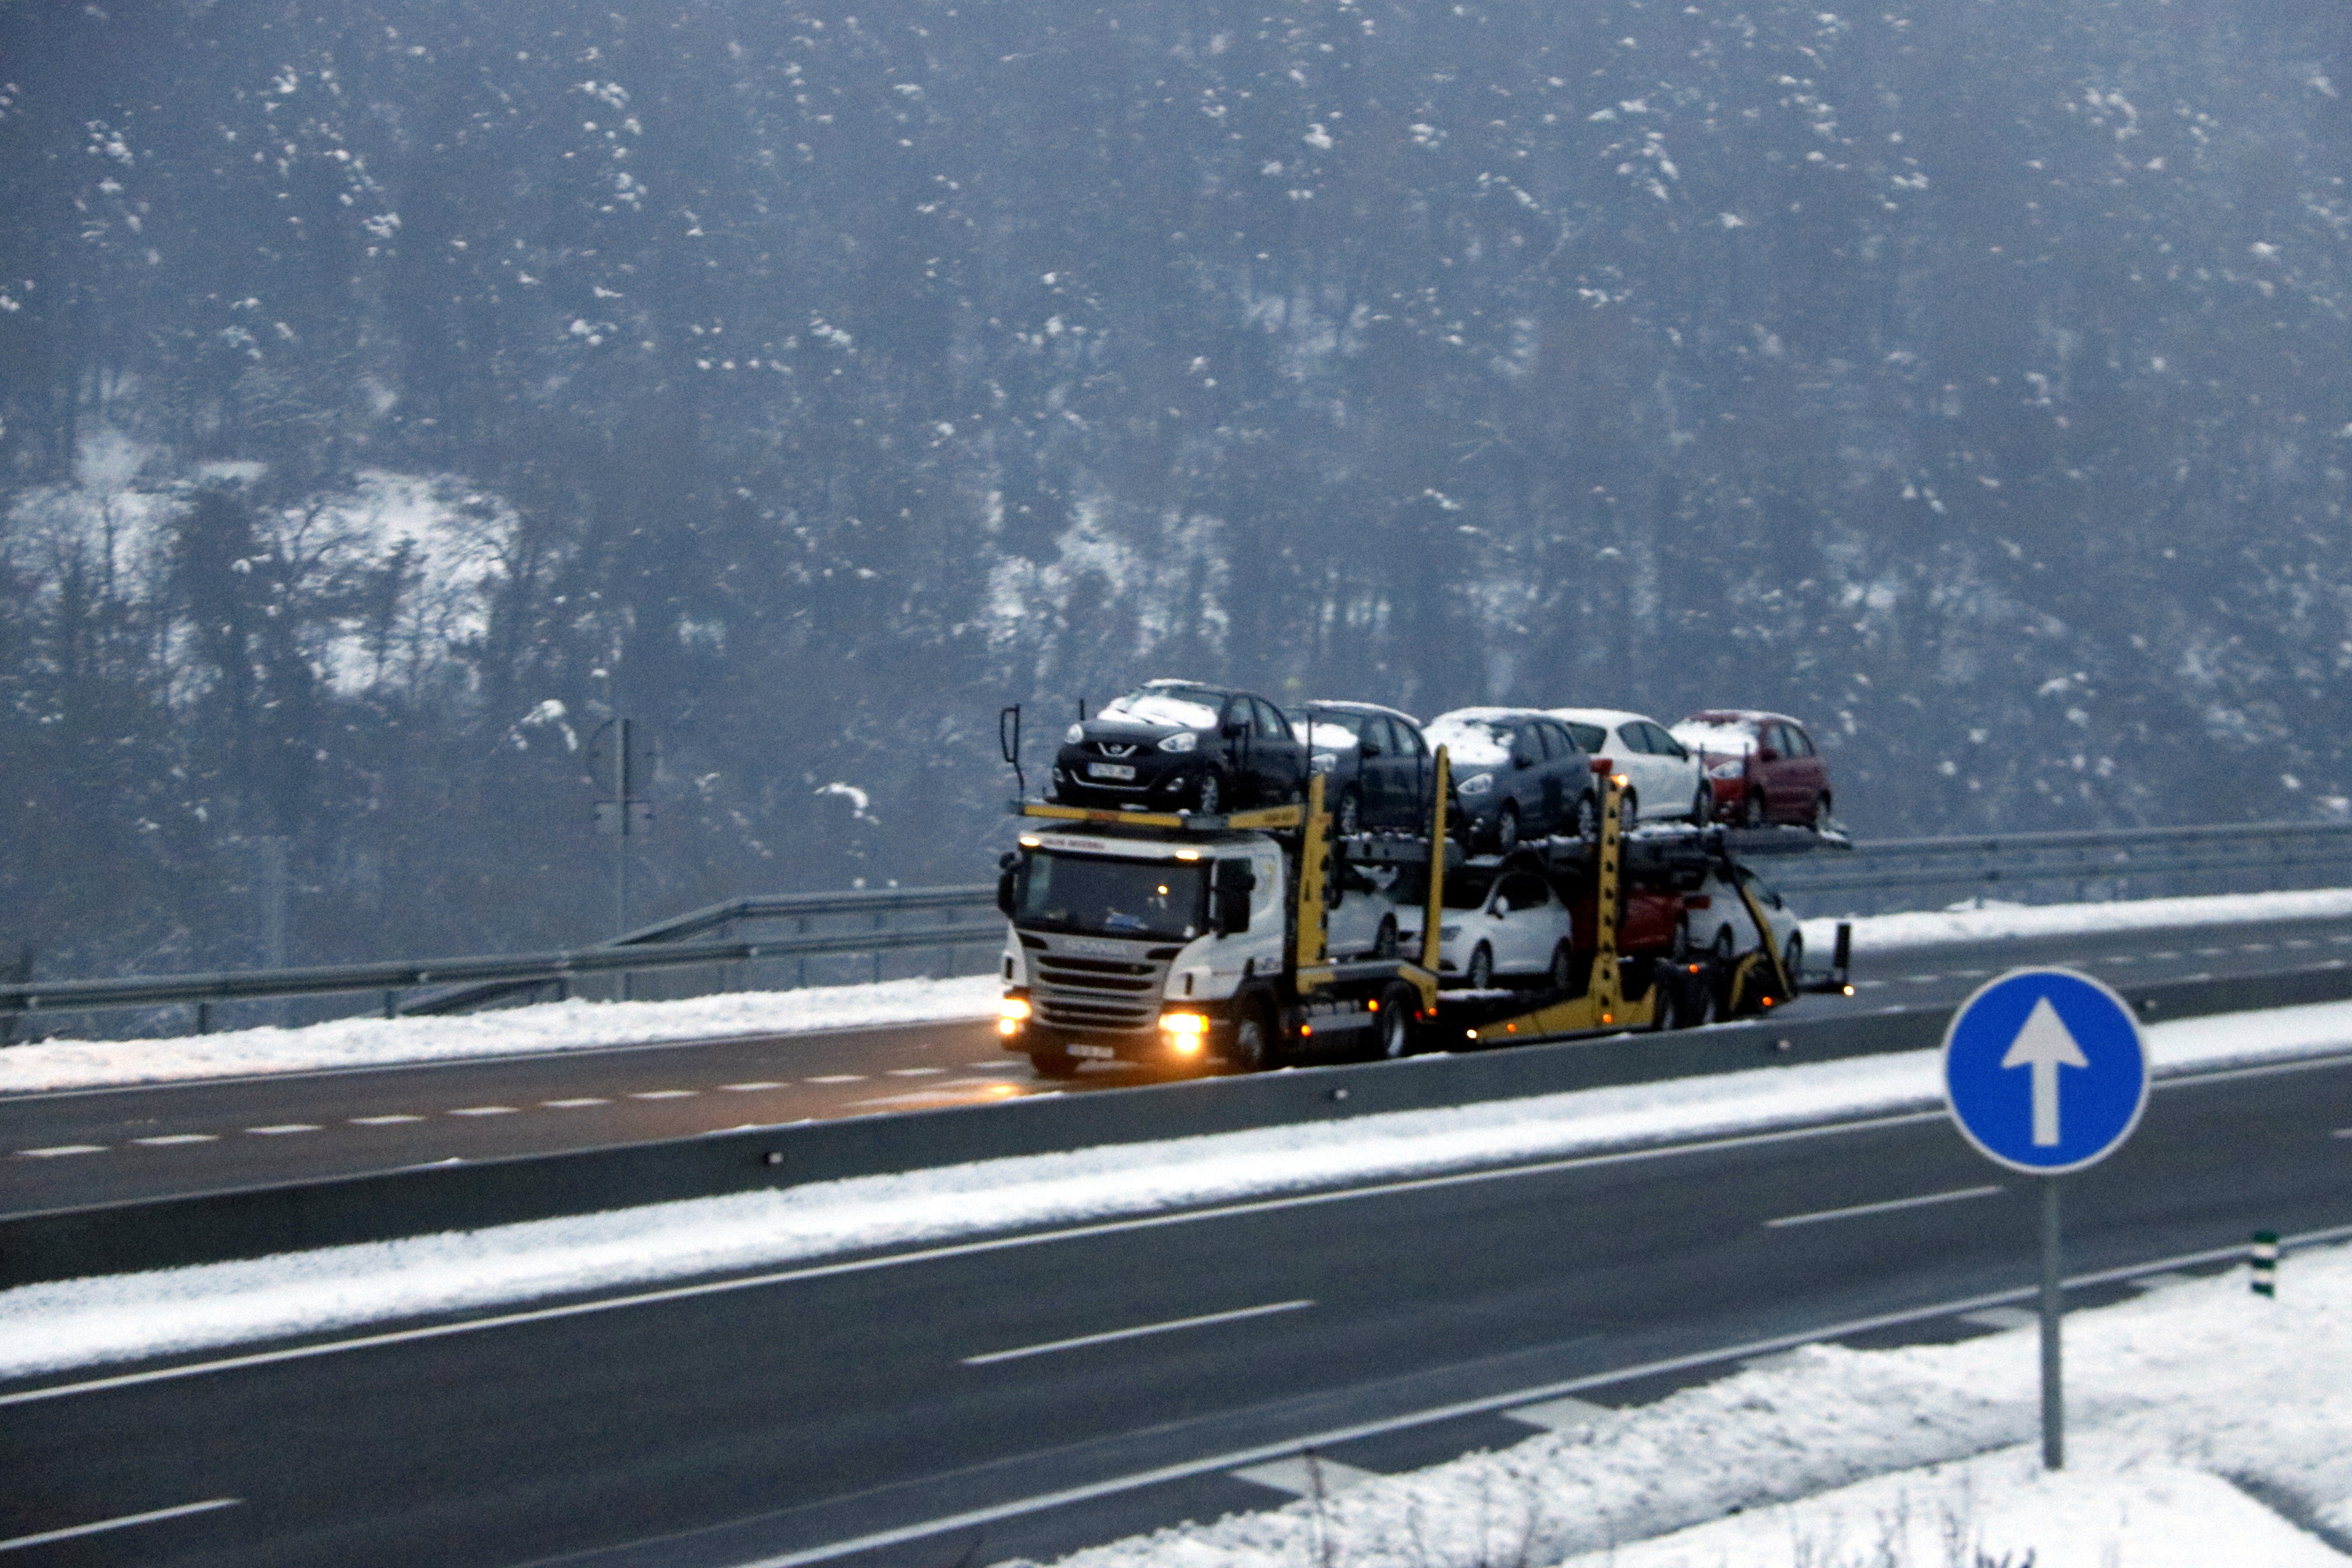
1393 1037
1252 1046
1054 1064
1481 973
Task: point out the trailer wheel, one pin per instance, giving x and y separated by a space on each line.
1054 1064
1563 968
1393 1037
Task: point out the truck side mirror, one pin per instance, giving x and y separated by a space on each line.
1232 889
1008 886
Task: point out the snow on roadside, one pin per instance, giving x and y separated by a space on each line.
2184 1405
574 1025
48 1327
549 1027
1938 928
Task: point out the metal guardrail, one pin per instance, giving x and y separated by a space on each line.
1986 862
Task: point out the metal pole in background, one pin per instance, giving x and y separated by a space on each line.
620 844
2053 1308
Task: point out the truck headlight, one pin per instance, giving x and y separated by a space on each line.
1476 784
1186 1032
1010 1014
1182 740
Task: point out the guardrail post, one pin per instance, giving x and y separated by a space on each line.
203 1017
391 1002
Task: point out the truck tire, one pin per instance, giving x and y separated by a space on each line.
1393 1037
1252 1046
1054 1064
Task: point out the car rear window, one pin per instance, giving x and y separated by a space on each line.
1590 738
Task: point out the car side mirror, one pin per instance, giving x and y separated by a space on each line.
1234 884
1521 759
1370 749
1234 731
1008 884
1767 754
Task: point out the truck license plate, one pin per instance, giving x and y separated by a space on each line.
1110 770
1095 1053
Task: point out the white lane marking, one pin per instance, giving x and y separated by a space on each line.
1559 1414
999 1064
2341 1132
1183 1469
1919 979
1870 985
2299 942
2211 952
991 1358
485 1111
2340 939
1970 973
2118 958
280 1129
153 1516
1793 1356
748 1087
915 1072
575 1104
393 1121
838 1078
1192 1217
55 1150
169 1139
944 1092
1957 1195
1302 1476
2253 947
664 1093
2001 1320
2164 956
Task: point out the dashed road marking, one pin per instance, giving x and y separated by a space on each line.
915 1072
1970 973
1860 1210
1921 979
2253 947
166 1140
2164 957
2211 952
383 1120
281 1128
1303 1476
2118 958
664 1093
585 1099
484 1111
56 1149
2299 942
838 1078
1081 1342
748 1087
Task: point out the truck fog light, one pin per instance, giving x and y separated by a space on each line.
1186 1032
1010 1014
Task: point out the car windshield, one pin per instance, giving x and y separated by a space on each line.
1099 896
1722 739
1327 730
1184 707
1474 742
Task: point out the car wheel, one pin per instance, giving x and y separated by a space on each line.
1507 829
1348 820
1822 814
1702 811
1792 958
1629 811
1252 1046
1563 968
1588 819
1393 1037
1209 794
1481 973
1384 943
1054 1064
1752 809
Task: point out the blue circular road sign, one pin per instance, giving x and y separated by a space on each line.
2044 1070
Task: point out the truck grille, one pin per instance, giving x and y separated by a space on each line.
1109 994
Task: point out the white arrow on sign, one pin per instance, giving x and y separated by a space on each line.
2045 1044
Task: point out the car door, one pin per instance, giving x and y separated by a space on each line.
1559 805
1629 748
1408 806
1814 774
1281 760
1377 764
1677 770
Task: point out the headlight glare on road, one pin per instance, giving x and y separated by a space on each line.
1182 740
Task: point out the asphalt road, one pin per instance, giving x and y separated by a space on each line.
76 1149
1132 1369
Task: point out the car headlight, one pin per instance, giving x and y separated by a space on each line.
1074 734
1324 761
1182 740
1448 933
1476 784
1726 770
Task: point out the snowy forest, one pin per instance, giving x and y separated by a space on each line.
392 391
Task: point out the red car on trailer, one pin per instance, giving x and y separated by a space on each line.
1763 767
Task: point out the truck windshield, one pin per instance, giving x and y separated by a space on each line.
1114 898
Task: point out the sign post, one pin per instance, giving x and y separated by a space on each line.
2044 1072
